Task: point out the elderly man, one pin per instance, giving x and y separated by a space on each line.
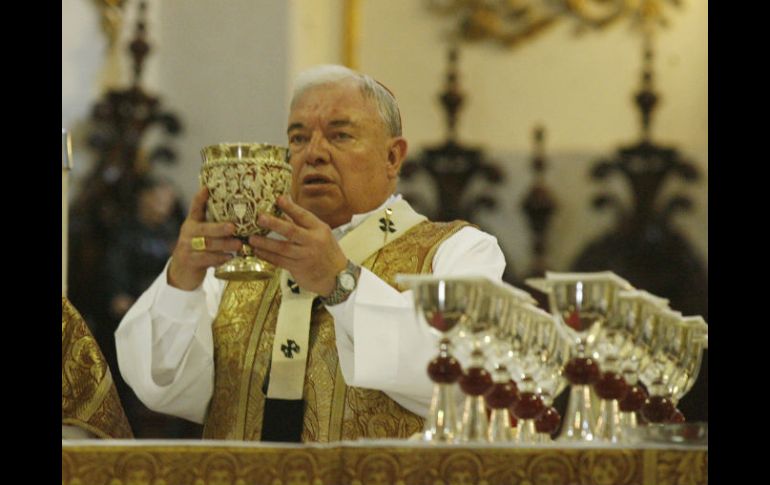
330 348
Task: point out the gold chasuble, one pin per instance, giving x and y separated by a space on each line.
243 334
89 399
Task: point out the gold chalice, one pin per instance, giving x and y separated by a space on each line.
244 180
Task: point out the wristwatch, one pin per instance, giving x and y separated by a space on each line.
347 279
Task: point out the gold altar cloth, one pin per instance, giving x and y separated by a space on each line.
375 462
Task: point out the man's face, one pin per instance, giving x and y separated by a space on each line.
344 161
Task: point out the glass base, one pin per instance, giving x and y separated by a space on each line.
245 268
499 430
441 425
578 422
608 426
526 432
474 425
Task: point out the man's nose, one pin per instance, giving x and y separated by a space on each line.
317 152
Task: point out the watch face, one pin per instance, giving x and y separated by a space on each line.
347 281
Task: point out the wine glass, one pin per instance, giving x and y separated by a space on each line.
445 304
581 303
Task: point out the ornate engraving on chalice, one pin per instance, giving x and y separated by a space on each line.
445 304
581 304
244 180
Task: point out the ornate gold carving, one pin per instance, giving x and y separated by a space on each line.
376 468
220 468
548 469
244 180
610 468
138 467
367 465
461 467
675 467
198 465
298 467
510 23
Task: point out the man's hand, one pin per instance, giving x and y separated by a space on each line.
310 252
188 266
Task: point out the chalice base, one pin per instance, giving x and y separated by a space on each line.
500 430
441 425
579 424
608 426
628 420
245 268
527 432
475 424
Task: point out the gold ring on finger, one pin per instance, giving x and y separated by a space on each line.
198 243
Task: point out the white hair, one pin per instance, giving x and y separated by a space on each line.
370 88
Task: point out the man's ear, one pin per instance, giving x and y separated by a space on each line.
396 155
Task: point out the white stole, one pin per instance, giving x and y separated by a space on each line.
290 346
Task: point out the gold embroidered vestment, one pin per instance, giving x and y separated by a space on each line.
89 399
243 338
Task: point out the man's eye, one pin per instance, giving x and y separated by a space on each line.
295 139
341 135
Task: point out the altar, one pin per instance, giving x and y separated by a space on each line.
192 462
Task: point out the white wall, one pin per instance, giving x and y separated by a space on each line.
223 67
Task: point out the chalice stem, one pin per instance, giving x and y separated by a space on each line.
246 250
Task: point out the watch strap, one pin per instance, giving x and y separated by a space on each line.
340 293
